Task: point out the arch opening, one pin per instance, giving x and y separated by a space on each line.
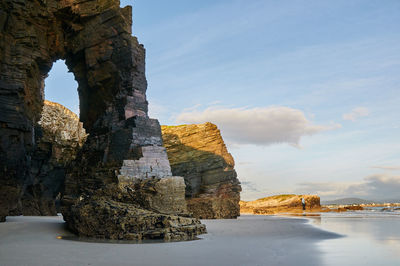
59 135
61 87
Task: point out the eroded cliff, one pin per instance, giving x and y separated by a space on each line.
199 154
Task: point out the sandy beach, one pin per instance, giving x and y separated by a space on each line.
249 240
371 238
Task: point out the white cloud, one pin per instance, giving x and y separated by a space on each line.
373 187
259 126
391 168
356 113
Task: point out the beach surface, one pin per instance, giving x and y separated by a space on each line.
371 238
249 240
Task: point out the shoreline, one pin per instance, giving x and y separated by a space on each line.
249 240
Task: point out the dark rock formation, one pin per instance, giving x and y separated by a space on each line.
59 136
198 153
94 37
165 195
281 204
126 221
116 213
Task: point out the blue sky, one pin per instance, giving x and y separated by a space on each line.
306 93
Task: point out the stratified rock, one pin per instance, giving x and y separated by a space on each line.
165 195
198 153
281 204
95 39
59 136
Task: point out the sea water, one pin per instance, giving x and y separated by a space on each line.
370 237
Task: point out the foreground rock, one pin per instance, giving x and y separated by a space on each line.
119 214
95 39
281 204
198 153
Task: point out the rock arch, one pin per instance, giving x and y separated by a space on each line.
94 37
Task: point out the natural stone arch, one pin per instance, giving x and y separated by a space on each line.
94 37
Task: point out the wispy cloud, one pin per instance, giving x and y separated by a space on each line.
249 186
379 186
245 163
356 113
259 126
391 168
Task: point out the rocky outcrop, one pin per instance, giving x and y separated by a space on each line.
94 37
342 208
198 153
126 221
127 213
281 204
59 136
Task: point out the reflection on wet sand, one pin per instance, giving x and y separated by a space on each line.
370 239
249 240
316 217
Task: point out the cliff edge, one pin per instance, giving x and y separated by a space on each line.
198 153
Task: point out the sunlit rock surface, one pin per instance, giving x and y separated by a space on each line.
198 153
62 126
281 204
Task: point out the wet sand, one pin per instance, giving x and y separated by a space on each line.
249 240
370 238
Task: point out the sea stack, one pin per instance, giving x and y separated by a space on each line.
124 147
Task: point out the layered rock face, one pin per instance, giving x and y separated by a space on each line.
94 37
281 204
59 136
198 153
